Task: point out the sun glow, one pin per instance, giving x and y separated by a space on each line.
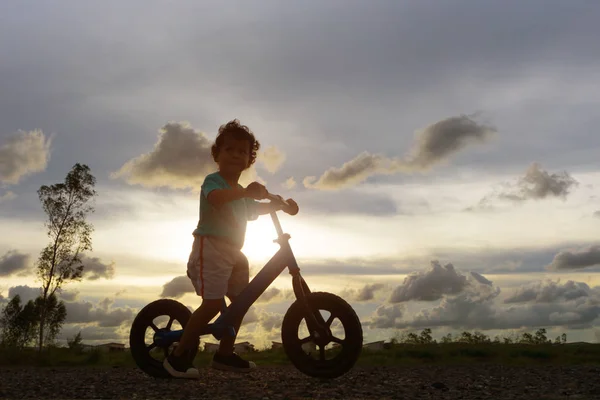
259 245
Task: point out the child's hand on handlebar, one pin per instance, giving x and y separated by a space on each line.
292 209
256 191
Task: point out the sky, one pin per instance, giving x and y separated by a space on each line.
444 155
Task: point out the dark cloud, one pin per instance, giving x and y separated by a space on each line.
68 295
430 285
572 305
438 141
597 214
571 260
180 159
14 263
25 292
465 312
433 145
365 293
23 153
548 292
177 287
387 316
538 184
535 184
102 313
480 278
94 269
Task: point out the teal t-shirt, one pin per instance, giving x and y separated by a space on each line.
230 221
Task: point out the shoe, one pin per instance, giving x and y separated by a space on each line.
180 367
232 362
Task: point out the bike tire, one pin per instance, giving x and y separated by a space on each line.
353 341
142 321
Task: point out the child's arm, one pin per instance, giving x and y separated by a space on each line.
267 208
219 197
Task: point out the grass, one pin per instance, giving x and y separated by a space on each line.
400 354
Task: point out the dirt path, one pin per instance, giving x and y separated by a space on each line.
422 382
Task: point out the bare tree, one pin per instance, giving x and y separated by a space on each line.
66 205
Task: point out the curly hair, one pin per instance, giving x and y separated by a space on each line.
236 131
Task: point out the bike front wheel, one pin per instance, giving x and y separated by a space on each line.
317 357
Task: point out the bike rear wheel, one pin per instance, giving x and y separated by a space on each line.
148 352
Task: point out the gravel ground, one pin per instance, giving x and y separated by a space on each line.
418 382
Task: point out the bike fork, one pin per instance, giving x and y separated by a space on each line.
314 321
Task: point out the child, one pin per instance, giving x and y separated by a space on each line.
216 265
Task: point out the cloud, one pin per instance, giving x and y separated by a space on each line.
365 293
178 287
538 184
22 154
181 159
94 269
13 263
597 214
275 295
430 285
25 292
269 321
440 140
535 184
68 295
568 260
480 278
9 195
386 316
93 334
268 295
467 312
272 158
102 313
251 316
433 145
548 292
572 305
352 172
290 183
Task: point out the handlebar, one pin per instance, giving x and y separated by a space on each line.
276 197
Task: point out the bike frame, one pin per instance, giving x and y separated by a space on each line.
224 325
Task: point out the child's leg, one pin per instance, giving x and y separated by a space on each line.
209 272
240 276
227 343
199 319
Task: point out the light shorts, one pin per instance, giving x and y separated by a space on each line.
217 269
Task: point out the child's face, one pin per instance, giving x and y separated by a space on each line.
234 155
